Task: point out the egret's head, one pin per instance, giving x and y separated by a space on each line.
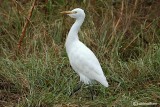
75 13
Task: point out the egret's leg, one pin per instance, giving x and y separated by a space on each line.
91 91
78 87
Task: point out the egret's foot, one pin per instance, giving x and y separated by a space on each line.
77 88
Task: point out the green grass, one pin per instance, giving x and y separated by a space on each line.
127 46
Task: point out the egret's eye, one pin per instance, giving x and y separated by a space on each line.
74 12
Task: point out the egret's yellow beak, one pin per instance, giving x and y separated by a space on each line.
67 12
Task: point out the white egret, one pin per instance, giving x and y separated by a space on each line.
81 58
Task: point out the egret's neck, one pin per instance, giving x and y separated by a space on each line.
73 33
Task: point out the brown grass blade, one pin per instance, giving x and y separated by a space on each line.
25 26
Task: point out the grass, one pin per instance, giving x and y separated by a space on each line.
125 37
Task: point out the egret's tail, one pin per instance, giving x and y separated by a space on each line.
103 81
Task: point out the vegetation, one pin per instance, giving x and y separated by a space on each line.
124 35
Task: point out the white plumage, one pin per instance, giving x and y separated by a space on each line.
81 58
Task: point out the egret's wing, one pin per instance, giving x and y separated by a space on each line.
84 61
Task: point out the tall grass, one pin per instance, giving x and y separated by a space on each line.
125 37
